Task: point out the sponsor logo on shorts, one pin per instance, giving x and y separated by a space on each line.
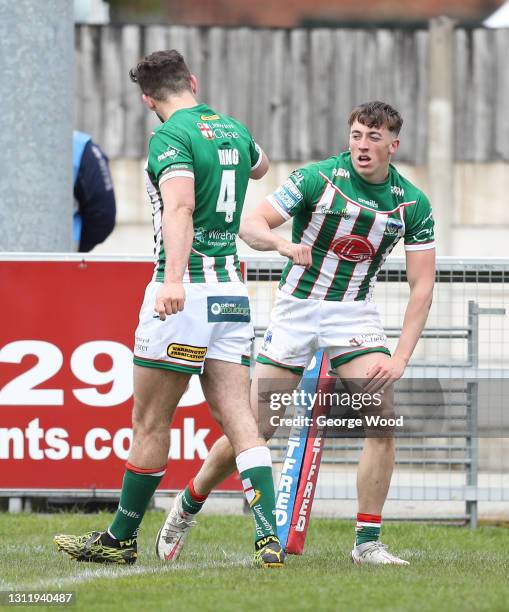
393 227
353 248
267 339
187 352
228 308
171 152
373 338
141 344
209 117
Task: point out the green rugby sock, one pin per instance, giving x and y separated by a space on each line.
138 487
255 469
368 528
191 501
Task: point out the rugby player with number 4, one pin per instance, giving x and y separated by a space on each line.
195 317
349 212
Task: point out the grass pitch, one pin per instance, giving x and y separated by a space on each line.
451 568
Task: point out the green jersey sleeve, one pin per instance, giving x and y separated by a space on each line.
296 193
419 225
169 155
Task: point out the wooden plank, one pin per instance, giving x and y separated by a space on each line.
364 76
300 148
343 75
320 91
219 96
111 86
195 58
405 88
278 87
176 38
483 96
261 71
236 72
387 64
501 104
463 98
135 135
92 93
420 142
154 39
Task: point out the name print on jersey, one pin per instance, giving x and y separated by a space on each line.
228 157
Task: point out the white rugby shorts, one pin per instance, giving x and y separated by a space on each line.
300 327
215 324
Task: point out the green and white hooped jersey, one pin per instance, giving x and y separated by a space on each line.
219 153
351 226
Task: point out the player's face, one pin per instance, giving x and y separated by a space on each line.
371 150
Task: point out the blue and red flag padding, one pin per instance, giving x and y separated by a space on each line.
299 473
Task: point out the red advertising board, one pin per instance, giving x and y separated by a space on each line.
66 337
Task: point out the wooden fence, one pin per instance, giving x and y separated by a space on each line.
295 88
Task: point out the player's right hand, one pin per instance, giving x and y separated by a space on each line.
170 299
300 254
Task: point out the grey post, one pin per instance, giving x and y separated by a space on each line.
440 133
36 110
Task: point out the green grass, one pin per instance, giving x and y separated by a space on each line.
451 568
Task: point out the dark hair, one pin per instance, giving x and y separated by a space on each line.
162 74
377 114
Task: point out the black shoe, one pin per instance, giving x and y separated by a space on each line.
269 553
98 547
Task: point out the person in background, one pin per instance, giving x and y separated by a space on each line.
94 198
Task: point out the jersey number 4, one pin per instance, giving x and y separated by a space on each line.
226 201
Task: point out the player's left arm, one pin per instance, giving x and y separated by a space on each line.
420 270
177 233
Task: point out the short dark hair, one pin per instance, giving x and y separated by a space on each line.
377 114
162 74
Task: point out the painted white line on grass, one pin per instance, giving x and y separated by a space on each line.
112 573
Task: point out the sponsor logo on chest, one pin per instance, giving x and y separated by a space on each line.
353 248
370 203
343 213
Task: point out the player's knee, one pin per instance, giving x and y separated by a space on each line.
148 425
